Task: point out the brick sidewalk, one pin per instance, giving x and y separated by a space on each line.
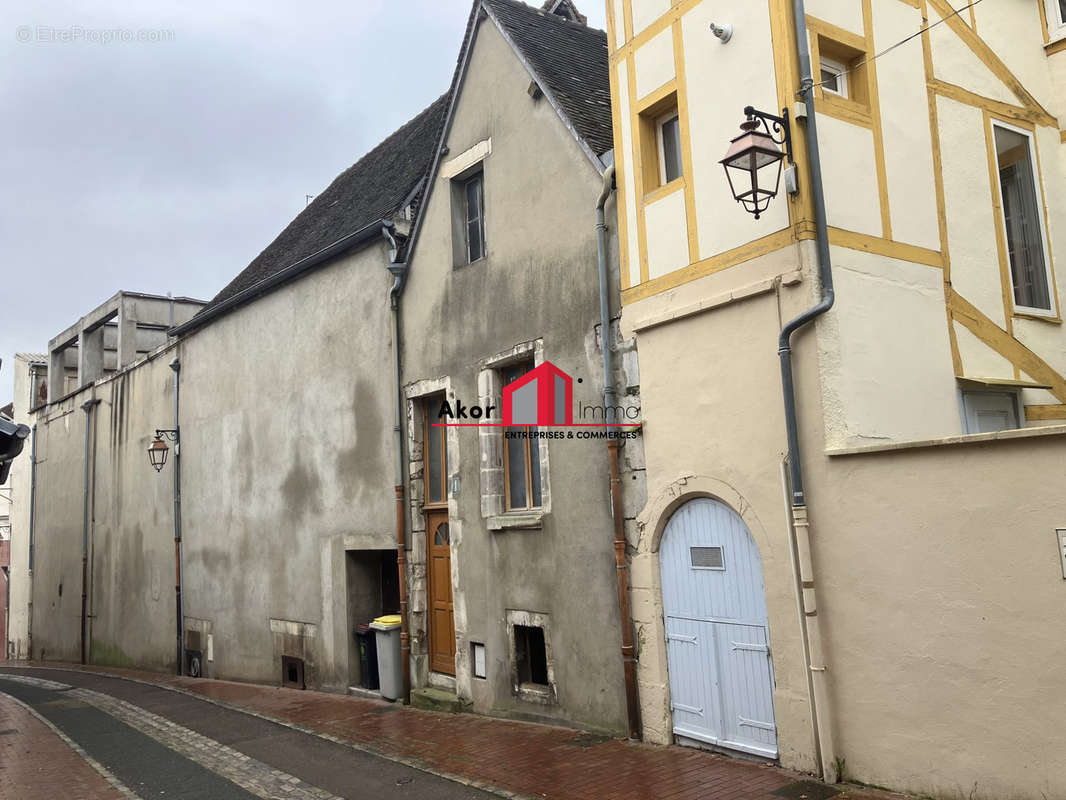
35 762
520 758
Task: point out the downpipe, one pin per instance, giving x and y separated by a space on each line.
33 509
398 270
179 607
87 407
614 465
800 526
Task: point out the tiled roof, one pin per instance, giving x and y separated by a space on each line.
571 59
373 188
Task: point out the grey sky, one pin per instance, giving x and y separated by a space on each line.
168 165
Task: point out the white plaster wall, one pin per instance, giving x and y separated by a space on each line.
955 62
645 12
619 24
1056 65
968 203
904 119
845 14
667 234
626 173
978 359
654 63
1012 29
716 106
850 176
889 335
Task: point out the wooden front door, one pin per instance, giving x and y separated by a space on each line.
441 609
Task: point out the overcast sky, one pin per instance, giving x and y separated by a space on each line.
168 164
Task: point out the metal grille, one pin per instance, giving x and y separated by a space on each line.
707 557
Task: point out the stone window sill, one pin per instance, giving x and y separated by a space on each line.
517 521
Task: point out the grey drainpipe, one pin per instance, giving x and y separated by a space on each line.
175 365
398 270
33 506
87 407
799 530
605 308
825 266
625 620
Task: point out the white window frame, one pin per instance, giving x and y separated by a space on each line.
1038 188
1056 25
660 122
841 72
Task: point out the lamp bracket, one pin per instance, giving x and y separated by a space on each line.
775 127
164 433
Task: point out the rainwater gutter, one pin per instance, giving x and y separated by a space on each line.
614 465
398 270
33 508
87 407
799 528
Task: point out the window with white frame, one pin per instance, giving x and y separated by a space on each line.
1023 220
834 77
988 412
1056 17
668 132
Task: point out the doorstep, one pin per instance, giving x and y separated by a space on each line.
430 699
369 694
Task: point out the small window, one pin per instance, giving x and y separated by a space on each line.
1023 220
834 77
988 412
659 138
468 216
521 455
668 131
474 205
435 453
707 558
531 660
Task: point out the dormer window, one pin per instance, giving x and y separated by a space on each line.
565 9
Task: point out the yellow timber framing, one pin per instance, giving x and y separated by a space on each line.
1052 412
1027 114
987 55
691 223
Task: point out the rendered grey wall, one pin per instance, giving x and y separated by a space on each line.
287 430
539 280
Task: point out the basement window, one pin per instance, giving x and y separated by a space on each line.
531 658
292 673
988 412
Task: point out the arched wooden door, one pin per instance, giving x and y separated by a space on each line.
441 608
717 632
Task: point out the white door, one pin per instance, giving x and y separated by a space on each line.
717 637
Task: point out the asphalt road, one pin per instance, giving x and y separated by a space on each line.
164 744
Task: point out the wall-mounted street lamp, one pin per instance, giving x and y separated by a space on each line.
157 450
754 161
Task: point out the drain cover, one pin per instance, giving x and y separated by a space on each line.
806 790
9 731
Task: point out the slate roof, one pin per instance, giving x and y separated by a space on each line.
571 59
373 188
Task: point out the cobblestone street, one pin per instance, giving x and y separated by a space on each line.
156 735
